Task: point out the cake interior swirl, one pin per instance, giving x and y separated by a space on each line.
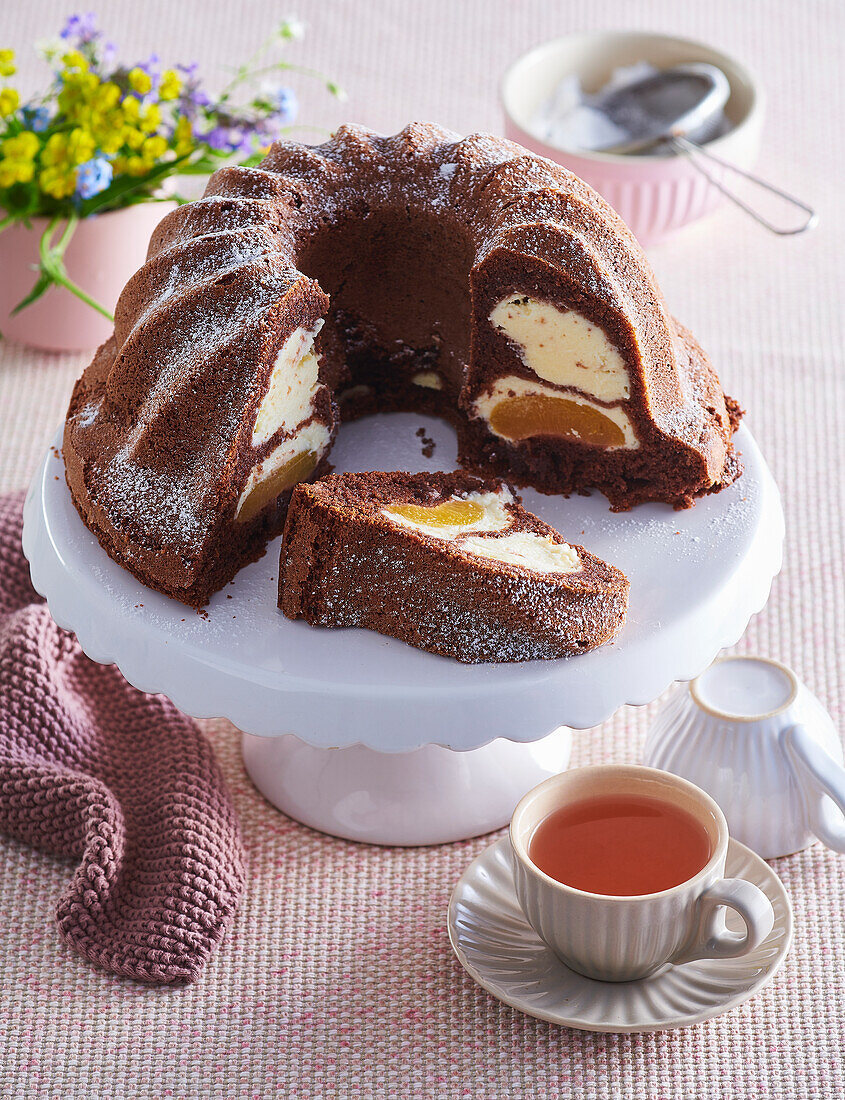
463 277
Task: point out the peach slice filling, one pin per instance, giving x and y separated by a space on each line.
451 513
531 414
291 473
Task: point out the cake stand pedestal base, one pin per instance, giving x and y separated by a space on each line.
432 795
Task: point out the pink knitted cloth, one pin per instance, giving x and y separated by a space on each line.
92 769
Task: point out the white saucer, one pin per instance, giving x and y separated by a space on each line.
499 949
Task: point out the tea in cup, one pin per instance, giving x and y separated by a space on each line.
620 870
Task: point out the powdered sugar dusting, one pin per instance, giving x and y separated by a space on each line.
140 495
431 590
201 314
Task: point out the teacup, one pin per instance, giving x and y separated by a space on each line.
621 938
756 739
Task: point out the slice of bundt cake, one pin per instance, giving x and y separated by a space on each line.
465 277
445 562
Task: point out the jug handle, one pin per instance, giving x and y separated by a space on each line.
818 774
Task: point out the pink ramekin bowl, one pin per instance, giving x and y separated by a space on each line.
654 195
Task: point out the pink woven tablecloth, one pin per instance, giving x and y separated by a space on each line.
336 978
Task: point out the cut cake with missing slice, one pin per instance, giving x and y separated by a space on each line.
446 562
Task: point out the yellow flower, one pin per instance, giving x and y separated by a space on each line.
81 146
139 81
9 101
66 150
154 148
109 134
133 137
57 183
15 171
22 147
18 163
151 119
184 136
107 97
78 95
171 85
131 110
7 63
137 166
55 151
74 60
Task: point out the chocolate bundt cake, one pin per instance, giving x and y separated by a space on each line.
464 277
445 562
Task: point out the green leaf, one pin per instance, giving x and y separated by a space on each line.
43 283
52 268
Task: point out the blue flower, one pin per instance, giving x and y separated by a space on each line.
93 177
286 104
36 118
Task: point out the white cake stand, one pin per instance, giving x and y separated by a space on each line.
367 738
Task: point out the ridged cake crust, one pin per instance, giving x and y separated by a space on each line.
344 563
401 246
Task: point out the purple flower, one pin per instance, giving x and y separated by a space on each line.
81 28
229 139
192 97
245 146
93 177
191 100
220 138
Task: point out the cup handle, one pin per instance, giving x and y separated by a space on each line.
715 942
818 774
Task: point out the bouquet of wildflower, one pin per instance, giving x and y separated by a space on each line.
105 134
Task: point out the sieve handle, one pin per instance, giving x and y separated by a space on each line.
692 152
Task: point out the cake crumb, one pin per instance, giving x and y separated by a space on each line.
428 443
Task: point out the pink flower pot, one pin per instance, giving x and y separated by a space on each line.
103 253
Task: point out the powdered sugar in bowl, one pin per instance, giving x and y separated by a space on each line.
655 194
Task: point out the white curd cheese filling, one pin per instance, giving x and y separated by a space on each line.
293 386
563 346
528 549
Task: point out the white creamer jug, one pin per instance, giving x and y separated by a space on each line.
762 745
